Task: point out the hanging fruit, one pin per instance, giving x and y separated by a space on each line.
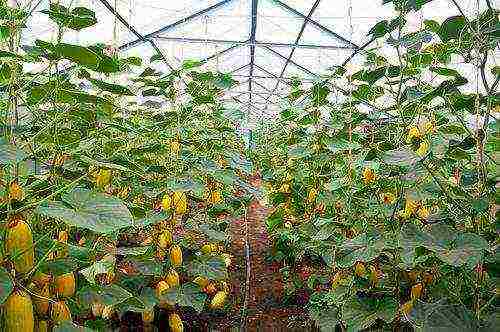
19 246
40 299
16 193
218 300
60 312
359 269
416 291
175 323
176 256
311 196
216 197
18 313
166 202
148 316
165 239
172 278
201 281
179 200
161 287
65 285
103 177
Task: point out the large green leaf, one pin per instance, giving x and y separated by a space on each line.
113 88
89 210
78 54
187 295
363 248
362 312
429 317
78 19
105 265
210 267
452 28
6 285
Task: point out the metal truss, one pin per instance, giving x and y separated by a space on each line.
251 43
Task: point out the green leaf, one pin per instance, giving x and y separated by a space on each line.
90 210
400 157
343 145
452 28
113 88
363 248
79 55
9 153
188 64
428 317
6 285
105 265
362 312
210 267
60 266
78 19
445 71
69 326
187 295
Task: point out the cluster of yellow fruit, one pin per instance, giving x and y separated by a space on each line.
413 207
415 134
368 176
45 294
218 291
178 202
419 280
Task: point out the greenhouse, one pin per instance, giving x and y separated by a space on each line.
249 165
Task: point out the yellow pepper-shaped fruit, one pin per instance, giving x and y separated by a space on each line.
368 175
97 308
175 323
406 307
148 316
16 193
423 212
176 256
60 312
65 285
359 269
166 202
172 278
416 291
208 248
18 313
103 177
388 198
19 246
41 326
227 259
218 300
423 148
216 197
285 188
201 281
175 147
179 200
161 287
311 197
165 239
414 132
40 299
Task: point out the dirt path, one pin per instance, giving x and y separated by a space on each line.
264 309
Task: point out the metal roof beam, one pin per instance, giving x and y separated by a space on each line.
134 31
248 43
175 24
253 31
292 62
320 26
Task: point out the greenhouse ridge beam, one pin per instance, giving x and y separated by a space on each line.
134 31
253 30
292 62
248 43
320 26
175 24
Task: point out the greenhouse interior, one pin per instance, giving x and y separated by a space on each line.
249 165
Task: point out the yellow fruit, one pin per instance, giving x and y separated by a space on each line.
103 177
210 289
423 212
201 281
172 278
63 237
60 312
165 239
175 323
416 291
18 313
388 198
175 147
166 202
423 148
41 279
359 269
41 298
368 175
311 197
285 188
414 132
218 300
19 246
180 202
107 312
373 275
16 193
97 308
406 307
161 287
216 197
148 316
64 285
429 127
42 326
208 248
176 256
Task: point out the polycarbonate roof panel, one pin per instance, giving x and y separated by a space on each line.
205 29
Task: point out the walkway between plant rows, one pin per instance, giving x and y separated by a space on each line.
265 291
